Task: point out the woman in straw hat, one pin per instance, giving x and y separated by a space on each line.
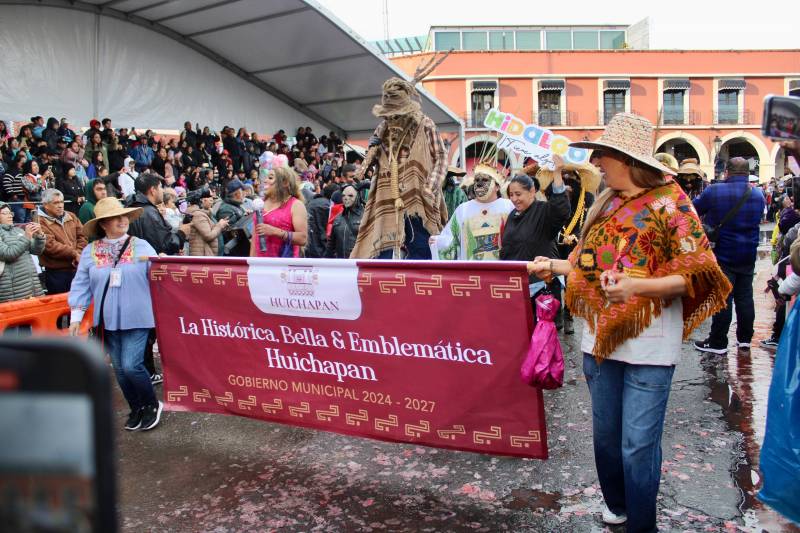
642 277
690 178
112 272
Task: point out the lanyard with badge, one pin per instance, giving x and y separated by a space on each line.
114 280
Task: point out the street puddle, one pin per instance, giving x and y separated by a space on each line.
534 499
739 384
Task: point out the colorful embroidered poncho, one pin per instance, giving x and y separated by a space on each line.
654 234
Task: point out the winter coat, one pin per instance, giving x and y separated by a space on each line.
51 136
64 238
86 212
318 209
18 280
116 159
73 158
90 150
152 227
143 155
344 232
233 211
72 190
204 237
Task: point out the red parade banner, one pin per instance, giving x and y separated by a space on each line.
423 352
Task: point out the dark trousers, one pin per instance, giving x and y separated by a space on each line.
149 362
780 321
58 281
780 310
416 242
742 297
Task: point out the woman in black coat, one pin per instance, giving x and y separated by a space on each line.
532 227
71 188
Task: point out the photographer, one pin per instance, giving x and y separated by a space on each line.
237 243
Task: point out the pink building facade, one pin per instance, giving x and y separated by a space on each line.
704 104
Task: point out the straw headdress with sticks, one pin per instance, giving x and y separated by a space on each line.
400 97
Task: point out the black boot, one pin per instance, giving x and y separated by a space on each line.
569 327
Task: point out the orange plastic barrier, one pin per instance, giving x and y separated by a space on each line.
43 315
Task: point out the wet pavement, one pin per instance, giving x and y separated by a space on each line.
201 472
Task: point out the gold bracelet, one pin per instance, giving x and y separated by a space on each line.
552 272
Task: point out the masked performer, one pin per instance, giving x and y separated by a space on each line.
405 197
475 229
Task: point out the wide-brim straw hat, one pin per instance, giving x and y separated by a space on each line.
631 135
455 171
109 208
588 174
668 160
691 166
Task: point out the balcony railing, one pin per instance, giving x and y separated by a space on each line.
548 118
733 117
686 118
604 119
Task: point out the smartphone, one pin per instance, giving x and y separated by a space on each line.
781 117
56 457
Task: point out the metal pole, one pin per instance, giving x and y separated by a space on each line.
462 150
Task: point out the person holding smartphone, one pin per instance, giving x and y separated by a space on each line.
18 279
112 273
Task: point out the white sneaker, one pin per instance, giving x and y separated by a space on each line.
611 518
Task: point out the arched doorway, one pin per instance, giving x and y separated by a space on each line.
685 145
483 147
739 147
680 149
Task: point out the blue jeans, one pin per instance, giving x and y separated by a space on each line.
742 296
628 407
416 242
126 348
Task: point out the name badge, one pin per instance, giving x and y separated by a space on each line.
116 278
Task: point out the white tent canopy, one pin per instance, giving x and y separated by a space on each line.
260 64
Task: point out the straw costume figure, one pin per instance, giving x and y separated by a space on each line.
405 198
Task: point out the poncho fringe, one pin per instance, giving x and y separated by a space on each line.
707 287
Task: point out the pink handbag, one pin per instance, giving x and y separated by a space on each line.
544 365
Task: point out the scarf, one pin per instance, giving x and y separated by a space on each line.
654 234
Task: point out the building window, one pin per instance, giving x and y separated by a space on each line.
613 103
584 40
549 108
672 112
482 99
501 40
529 40
445 40
612 40
794 88
728 106
559 40
474 40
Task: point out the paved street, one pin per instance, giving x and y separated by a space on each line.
200 472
